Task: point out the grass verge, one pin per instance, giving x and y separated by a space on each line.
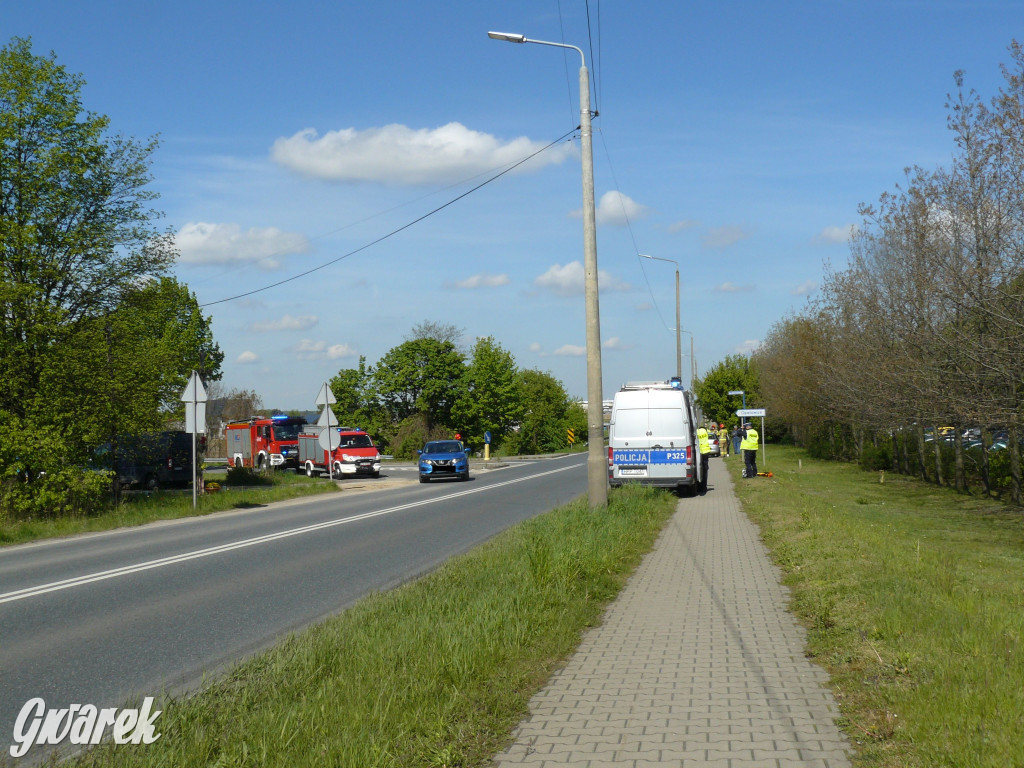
142 508
914 601
436 673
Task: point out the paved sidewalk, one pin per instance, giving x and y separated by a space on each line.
698 663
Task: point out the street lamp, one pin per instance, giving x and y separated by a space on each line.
693 360
679 342
597 465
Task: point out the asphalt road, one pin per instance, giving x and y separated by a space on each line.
102 618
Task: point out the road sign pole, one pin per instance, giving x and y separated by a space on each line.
764 445
328 421
194 398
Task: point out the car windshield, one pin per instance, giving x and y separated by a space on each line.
286 431
356 441
443 446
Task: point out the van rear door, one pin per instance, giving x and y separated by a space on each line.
649 442
670 458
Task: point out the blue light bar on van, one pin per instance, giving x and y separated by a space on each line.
281 416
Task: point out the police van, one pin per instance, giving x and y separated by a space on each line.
652 437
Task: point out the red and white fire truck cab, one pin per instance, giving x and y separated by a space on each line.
355 455
260 443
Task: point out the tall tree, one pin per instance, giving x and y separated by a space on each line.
76 231
356 403
420 378
547 414
126 370
733 373
489 396
432 329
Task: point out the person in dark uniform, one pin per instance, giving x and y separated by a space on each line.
749 447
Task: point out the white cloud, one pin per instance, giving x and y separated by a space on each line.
747 347
615 343
203 243
806 287
836 234
733 288
617 209
570 350
644 306
720 238
307 349
483 281
286 323
685 224
397 154
535 347
568 280
248 357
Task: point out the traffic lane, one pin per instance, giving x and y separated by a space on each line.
30 565
163 629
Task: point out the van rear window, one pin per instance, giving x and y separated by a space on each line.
631 423
666 422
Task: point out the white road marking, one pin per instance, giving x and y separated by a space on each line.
56 586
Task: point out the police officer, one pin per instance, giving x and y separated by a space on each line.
705 456
749 448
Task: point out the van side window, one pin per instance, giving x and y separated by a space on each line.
665 422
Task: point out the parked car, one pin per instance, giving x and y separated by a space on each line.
443 458
150 461
716 447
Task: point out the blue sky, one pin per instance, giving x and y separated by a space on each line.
736 138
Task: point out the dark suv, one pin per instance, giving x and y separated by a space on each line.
151 461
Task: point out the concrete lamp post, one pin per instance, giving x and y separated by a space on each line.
679 342
597 462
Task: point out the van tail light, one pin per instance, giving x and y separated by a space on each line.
689 454
170 462
609 456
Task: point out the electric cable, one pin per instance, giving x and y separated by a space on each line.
394 232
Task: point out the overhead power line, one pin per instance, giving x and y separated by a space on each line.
394 232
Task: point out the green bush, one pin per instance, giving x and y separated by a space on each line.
40 477
246 476
873 459
413 434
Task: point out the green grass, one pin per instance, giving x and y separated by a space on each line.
142 508
914 601
436 673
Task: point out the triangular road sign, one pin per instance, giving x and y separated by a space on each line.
194 391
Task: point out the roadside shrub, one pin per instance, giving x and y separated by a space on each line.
875 458
40 478
1000 477
246 476
412 434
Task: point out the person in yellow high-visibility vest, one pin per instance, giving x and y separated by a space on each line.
749 447
705 456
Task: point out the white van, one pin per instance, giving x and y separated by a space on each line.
652 438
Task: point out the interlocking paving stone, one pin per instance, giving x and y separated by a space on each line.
697 663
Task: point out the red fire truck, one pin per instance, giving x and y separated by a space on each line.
355 455
260 443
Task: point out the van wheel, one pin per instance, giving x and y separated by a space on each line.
151 483
310 472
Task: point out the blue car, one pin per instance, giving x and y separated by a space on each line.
443 458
